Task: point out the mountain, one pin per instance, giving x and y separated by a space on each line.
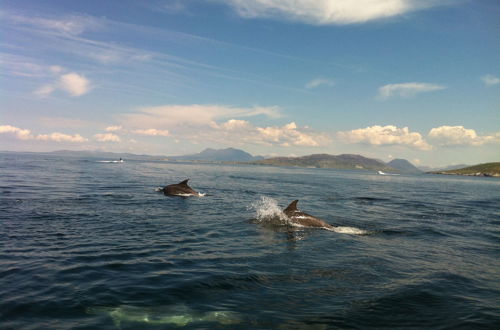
346 161
404 166
103 154
220 155
487 169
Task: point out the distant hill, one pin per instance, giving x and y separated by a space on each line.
102 154
404 166
487 169
346 161
446 168
220 155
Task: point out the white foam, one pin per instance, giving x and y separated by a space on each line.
348 230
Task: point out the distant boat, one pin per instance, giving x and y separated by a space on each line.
383 173
111 161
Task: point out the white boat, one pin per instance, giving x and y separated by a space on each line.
383 173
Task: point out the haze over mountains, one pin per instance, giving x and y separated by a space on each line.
220 155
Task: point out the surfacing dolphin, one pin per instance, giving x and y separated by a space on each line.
178 317
180 189
301 218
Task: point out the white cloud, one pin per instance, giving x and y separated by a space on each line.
60 137
107 137
19 133
113 128
322 12
318 82
152 132
490 80
220 123
406 89
242 132
74 84
234 124
45 90
25 134
460 136
289 134
385 135
196 115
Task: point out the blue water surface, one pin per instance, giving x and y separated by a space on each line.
87 244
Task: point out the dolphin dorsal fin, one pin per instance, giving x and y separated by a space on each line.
292 207
184 183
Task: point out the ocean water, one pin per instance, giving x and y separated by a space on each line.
87 244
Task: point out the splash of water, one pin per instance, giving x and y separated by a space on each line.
349 230
267 211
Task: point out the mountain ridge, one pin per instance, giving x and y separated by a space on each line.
404 166
343 161
220 155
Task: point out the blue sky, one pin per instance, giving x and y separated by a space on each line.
387 79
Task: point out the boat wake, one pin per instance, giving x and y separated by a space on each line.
383 173
110 161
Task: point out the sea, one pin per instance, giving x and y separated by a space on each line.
90 243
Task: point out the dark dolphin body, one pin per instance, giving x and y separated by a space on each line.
180 189
304 219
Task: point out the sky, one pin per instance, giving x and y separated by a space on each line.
386 79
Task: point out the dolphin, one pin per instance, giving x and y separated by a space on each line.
158 316
301 218
180 189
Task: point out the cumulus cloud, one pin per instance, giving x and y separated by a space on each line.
490 80
243 132
321 12
25 134
152 132
72 83
19 133
113 128
460 136
60 137
221 124
406 89
319 82
107 137
385 135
